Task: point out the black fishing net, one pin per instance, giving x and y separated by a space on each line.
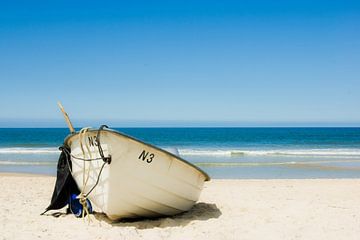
65 184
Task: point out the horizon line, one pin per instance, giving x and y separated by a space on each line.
60 123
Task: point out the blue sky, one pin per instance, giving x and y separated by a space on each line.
180 63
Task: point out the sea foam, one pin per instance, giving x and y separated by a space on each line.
19 150
271 152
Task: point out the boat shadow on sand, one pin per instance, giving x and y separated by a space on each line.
200 211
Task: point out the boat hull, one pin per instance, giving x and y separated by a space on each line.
141 180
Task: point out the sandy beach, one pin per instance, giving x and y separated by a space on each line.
227 209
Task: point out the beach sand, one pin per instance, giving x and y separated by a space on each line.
227 209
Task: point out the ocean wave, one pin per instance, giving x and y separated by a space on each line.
340 152
273 152
286 163
18 150
27 163
219 164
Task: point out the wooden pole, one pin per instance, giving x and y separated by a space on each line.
67 119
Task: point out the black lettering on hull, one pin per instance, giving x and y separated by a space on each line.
146 156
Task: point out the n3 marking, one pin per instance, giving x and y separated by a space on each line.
92 141
144 155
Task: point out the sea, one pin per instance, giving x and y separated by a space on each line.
235 153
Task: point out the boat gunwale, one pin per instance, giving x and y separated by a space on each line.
71 135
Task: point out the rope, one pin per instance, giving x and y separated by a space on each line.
79 158
86 174
86 171
105 159
97 180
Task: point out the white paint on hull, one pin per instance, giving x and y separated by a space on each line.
141 180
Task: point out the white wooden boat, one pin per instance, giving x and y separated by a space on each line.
140 181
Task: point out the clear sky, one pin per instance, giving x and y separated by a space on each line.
180 63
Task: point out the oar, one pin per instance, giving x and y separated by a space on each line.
67 119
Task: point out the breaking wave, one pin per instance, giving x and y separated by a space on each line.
30 163
340 152
273 152
17 150
287 163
